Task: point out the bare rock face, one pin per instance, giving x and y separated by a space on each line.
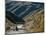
35 22
13 28
9 26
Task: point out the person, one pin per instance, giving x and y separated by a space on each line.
16 28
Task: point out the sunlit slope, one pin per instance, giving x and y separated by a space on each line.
35 22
